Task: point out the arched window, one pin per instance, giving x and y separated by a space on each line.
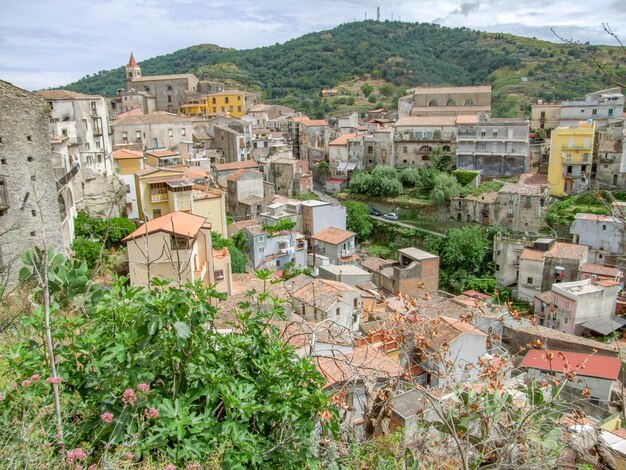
469 219
169 88
425 149
433 103
469 102
451 102
458 217
62 209
147 89
425 158
446 148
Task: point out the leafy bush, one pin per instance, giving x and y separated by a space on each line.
409 176
465 177
86 251
282 224
146 377
367 183
384 171
426 180
446 187
238 258
93 228
358 219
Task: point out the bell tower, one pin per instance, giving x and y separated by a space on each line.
133 71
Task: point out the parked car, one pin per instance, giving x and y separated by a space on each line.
374 212
390 216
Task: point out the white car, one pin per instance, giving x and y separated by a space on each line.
390 216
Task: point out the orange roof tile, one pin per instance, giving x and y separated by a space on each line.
177 223
236 165
532 255
333 235
343 139
132 62
362 362
599 269
588 365
163 153
125 154
567 250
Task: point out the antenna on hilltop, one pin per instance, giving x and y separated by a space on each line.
377 13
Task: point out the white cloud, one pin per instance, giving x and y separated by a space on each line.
59 42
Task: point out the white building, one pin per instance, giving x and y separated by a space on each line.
274 251
151 131
604 235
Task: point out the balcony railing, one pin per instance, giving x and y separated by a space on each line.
63 180
159 197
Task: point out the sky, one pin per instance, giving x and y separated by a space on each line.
48 43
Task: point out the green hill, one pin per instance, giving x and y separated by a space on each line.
400 54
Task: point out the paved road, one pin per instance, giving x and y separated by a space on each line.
405 225
317 189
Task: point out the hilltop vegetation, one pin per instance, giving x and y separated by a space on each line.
393 53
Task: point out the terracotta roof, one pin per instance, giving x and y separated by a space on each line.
311 122
426 121
343 139
588 365
361 363
607 283
226 92
65 95
163 153
236 165
336 180
524 187
444 329
596 217
600 270
532 255
136 111
132 62
466 119
244 171
545 297
333 235
177 223
125 154
322 293
375 264
153 118
567 250
240 225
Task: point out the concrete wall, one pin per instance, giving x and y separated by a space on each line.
607 235
533 270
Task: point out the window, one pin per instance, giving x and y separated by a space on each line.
64 132
183 131
610 112
213 101
278 263
495 134
226 100
33 213
85 124
179 243
594 112
565 319
509 212
603 226
338 312
510 199
497 267
87 145
93 107
568 157
218 275
169 98
405 150
97 144
529 281
127 188
125 136
156 213
527 201
170 132
138 135
239 108
356 303
483 132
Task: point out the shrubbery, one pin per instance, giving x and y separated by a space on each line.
238 258
382 181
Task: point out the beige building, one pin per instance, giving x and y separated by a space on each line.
545 115
129 162
151 131
445 101
177 247
161 191
415 137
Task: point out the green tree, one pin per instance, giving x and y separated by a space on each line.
439 159
372 98
384 171
386 90
358 219
238 258
367 89
86 251
445 188
409 177
426 180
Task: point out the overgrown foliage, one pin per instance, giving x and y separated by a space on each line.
144 375
238 258
282 224
465 177
382 181
358 219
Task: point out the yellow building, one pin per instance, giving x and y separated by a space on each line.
161 191
571 152
230 102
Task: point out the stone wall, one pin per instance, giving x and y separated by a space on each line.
27 174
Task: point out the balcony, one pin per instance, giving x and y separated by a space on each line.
159 197
97 132
344 253
576 148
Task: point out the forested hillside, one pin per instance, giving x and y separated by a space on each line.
401 54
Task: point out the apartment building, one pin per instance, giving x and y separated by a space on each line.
414 138
275 250
128 163
604 235
151 131
224 102
234 140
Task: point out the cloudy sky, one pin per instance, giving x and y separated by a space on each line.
45 43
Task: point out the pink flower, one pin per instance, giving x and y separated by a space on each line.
26 383
54 380
107 417
128 397
143 388
129 456
35 377
151 413
2 397
75 455
93 466
169 467
193 466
